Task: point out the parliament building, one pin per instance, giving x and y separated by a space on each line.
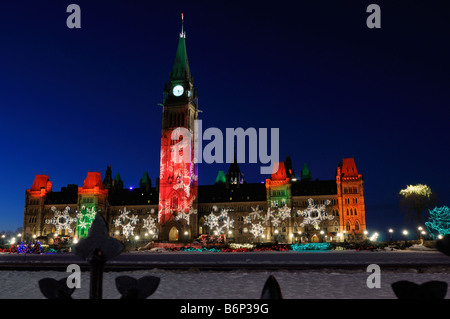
288 207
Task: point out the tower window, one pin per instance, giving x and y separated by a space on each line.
174 202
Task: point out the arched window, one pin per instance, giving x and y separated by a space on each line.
355 212
356 225
347 226
347 211
174 202
351 212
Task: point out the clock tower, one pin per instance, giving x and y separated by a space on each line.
178 170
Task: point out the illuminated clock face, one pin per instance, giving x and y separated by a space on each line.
178 90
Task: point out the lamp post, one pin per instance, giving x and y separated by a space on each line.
419 234
405 233
391 231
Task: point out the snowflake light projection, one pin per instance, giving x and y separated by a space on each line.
85 217
314 214
150 224
257 229
259 222
182 215
439 220
61 219
219 223
126 222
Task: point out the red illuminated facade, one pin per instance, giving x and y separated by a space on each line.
350 194
178 170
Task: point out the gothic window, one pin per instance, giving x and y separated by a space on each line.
351 212
355 212
283 227
347 211
356 225
336 227
347 226
174 202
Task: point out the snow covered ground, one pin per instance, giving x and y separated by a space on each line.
244 284
227 285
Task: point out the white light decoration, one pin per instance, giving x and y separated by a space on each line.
150 224
127 229
61 219
418 189
314 214
284 212
274 216
257 230
182 215
219 223
255 214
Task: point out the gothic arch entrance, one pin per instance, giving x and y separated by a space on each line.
315 239
173 234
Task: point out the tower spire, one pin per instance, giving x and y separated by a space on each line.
180 69
182 34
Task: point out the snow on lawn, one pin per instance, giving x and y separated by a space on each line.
339 284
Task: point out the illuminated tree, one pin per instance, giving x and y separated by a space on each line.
439 220
415 199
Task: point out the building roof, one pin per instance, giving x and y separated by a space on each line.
280 174
93 184
348 168
306 173
311 188
93 179
221 178
67 195
41 186
40 181
221 193
135 196
181 70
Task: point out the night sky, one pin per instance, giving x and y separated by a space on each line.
76 100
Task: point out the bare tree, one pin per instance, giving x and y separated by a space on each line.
414 200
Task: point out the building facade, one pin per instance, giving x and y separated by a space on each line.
284 208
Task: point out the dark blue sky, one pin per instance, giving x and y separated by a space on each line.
74 101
